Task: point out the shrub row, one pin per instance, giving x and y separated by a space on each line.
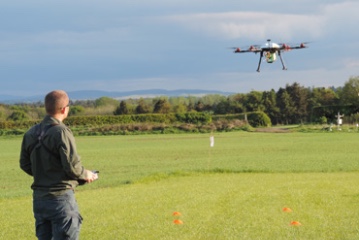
138 118
149 123
17 124
161 128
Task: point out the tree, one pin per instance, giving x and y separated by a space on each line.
142 107
321 104
199 106
299 96
191 102
122 109
234 107
322 97
162 106
105 101
286 106
180 108
350 92
190 107
2 112
222 107
228 106
270 105
254 101
211 100
238 102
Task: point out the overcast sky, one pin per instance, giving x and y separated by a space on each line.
125 45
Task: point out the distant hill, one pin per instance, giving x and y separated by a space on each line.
94 94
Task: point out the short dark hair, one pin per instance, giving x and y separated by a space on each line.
55 101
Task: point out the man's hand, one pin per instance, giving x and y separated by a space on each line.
90 176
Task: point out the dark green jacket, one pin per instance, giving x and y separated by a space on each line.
55 169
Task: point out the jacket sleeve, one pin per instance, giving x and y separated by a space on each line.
70 160
25 163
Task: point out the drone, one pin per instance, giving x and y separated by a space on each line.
269 50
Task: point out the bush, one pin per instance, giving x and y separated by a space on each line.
75 110
194 117
18 115
323 120
259 119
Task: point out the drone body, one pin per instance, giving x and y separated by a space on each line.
270 50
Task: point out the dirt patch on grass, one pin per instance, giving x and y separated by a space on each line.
273 130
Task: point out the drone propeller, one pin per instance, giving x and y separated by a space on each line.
288 47
252 48
236 49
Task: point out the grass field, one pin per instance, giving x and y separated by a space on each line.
235 190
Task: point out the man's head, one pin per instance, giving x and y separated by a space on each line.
56 104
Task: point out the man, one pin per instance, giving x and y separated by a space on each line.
48 153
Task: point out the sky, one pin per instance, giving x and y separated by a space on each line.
127 45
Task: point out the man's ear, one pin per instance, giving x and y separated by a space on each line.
63 110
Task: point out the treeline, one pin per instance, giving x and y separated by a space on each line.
292 104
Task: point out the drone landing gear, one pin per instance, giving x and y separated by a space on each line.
280 56
260 60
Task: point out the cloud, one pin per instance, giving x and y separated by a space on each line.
75 38
351 63
252 25
260 25
20 47
341 17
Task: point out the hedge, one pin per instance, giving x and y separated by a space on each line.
192 121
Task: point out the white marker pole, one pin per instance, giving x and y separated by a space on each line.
211 141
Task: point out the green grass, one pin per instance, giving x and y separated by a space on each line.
235 190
